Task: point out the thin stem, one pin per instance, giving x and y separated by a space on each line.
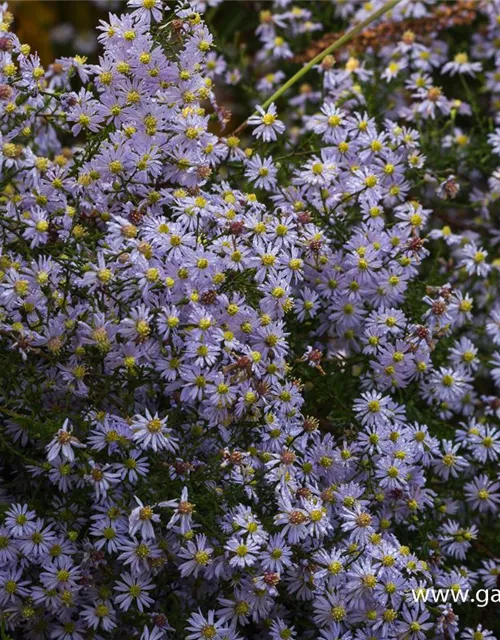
348 35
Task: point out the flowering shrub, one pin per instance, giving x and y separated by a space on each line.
249 382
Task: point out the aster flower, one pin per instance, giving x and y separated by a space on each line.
38 543
20 520
133 590
261 172
110 535
37 227
69 631
242 553
133 467
101 614
450 463
485 444
102 478
372 408
141 519
151 432
280 629
64 575
147 9
330 611
267 124
493 326
479 632
294 521
139 555
277 555
183 514
358 523
457 540
12 587
8 547
197 556
449 384
414 624
87 114
482 494
234 611
474 261
489 572
461 64
391 473
62 444
201 627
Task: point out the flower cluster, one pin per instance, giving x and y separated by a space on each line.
250 385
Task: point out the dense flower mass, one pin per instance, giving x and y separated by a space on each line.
250 382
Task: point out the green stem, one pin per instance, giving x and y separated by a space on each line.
348 35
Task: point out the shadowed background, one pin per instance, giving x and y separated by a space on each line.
60 27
